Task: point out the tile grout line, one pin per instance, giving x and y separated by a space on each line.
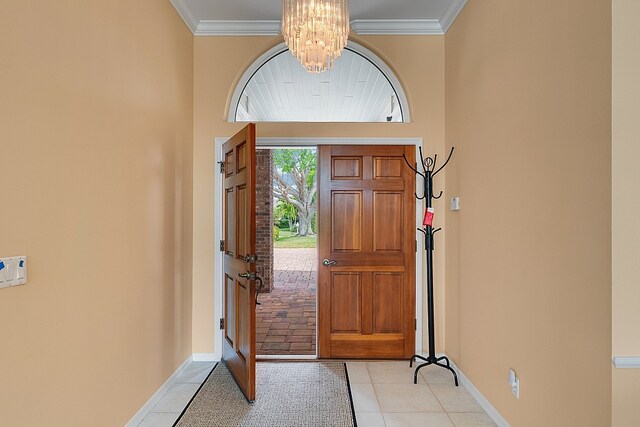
439 401
375 393
454 424
153 411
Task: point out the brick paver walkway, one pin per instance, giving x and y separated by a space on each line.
286 317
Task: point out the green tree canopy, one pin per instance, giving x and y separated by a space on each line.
294 182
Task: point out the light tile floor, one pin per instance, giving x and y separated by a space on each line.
170 406
383 395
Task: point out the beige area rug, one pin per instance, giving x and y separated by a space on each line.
296 394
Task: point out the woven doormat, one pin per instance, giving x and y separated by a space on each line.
312 394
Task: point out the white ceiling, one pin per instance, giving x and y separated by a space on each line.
354 90
236 17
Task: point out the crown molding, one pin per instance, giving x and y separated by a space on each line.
185 13
238 28
397 26
359 26
451 14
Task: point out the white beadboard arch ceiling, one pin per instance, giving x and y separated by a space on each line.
359 88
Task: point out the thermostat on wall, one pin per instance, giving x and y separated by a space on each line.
454 204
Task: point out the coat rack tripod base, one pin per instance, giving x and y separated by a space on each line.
429 171
432 360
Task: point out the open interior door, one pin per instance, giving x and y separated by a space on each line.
239 343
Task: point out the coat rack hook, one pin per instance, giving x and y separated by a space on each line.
445 163
411 167
438 196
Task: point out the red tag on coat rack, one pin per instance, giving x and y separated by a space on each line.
428 217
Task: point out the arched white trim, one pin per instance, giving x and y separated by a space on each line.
351 45
389 74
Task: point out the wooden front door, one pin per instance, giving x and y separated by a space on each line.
366 224
239 343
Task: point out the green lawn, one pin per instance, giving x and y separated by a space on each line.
288 239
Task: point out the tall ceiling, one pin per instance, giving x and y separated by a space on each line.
355 90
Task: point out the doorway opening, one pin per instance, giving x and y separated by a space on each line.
286 246
309 142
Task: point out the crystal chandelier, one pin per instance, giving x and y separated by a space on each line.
315 31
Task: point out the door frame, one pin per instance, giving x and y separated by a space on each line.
303 143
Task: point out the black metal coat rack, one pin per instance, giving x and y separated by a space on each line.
429 170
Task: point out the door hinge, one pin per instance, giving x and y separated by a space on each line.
221 245
415 324
416 246
222 164
222 323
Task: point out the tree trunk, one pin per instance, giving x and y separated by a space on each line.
305 217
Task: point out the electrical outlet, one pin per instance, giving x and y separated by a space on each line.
514 382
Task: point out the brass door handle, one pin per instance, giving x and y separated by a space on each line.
247 275
328 262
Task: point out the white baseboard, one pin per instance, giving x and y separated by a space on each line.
626 362
486 405
205 357
153 401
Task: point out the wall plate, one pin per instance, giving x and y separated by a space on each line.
13 271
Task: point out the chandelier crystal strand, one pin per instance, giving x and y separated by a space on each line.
315 31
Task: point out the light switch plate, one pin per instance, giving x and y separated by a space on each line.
13 271
3 283
4 277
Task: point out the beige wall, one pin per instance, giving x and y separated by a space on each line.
528 107
100 113
626 204
220 61
96 147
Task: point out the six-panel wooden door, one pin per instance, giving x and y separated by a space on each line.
239 343
366 224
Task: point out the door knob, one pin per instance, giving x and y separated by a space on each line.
327 262
247 275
